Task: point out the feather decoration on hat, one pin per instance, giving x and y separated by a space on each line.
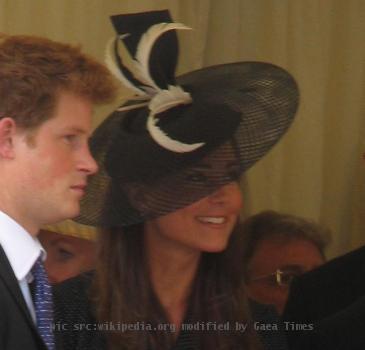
140 81
163 101
119 70
145 46
170 98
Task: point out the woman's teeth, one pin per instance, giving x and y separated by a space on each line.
212 219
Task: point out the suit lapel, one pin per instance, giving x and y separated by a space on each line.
11 283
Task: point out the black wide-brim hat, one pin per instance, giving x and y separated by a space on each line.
155 160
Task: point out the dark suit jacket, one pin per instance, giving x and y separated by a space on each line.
76 325
343 330
327 298
17 329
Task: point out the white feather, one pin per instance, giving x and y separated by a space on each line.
167 142
145 46
150 91
114 69
163 101
170 98
131 107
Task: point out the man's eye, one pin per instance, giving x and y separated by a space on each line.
70 138
287 278
272 281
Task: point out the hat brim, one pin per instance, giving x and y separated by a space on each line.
74 229
264 96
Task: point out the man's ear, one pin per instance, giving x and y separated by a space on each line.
7 132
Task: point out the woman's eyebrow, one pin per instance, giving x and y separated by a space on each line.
232 164
205 166
202 166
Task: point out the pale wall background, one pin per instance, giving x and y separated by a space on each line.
317 171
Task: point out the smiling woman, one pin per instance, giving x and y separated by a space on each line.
169 250
205 225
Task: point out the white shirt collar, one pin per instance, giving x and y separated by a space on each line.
20 247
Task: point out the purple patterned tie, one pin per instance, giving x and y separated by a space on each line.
42 299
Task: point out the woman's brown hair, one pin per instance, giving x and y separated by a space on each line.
124 295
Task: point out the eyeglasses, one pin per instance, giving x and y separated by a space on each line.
281 277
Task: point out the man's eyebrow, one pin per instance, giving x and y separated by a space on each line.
75 129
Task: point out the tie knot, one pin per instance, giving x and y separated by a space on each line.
37 263
38 270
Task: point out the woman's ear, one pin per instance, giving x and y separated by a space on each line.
7 132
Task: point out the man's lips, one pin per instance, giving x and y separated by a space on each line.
80 188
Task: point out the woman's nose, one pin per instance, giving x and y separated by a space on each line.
227 193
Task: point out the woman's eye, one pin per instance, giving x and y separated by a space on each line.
233 175
197 177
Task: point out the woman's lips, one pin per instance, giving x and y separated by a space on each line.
215 220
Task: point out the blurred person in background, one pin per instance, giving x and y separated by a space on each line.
70 247
278 247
